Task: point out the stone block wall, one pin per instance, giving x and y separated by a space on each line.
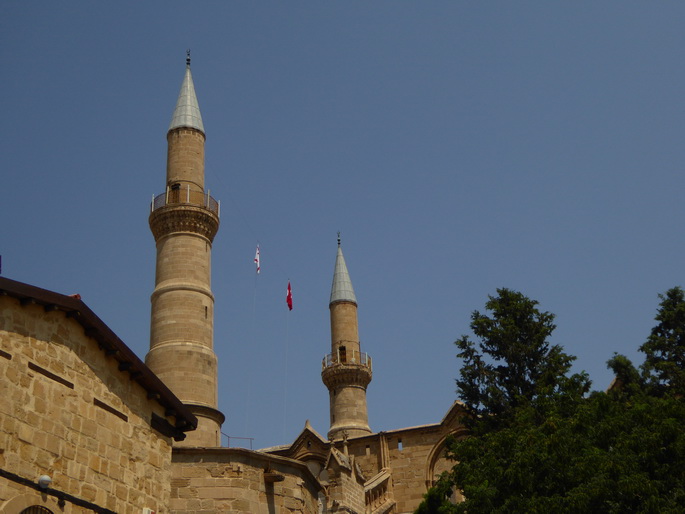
67 411
413 456
186 158
235 480
408 453
367 453
346 494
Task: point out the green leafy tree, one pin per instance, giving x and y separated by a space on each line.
664 366
557 450
513 364
436 499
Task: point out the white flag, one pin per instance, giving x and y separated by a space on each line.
256 260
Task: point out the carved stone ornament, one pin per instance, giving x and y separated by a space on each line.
183 218
346 374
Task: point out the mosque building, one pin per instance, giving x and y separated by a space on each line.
87 426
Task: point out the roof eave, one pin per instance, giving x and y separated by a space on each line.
108 342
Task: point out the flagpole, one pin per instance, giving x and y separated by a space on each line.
257 261
249 378
285 381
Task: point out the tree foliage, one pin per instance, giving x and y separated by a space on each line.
513 364
664 366
556 449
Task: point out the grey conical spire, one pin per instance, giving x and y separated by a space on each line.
187 112
342 285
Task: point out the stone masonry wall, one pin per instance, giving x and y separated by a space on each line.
408 462
233 480
346 493
186 158
68 412
411 455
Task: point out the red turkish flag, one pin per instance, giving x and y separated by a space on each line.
289 297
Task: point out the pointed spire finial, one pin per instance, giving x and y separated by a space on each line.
342 289
187 111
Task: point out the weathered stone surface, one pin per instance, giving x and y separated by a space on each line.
223 489
52 425
182 325
345 375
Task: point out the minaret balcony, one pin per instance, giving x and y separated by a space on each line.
347 358
184 210
347 368
178 196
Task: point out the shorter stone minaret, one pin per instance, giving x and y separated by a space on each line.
346 370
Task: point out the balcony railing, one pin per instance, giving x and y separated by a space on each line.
186 197
346 357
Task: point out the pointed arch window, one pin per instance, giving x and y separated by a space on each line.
36 509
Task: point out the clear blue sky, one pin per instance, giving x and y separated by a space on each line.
458 146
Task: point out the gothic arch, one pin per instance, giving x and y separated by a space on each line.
36 503
436 458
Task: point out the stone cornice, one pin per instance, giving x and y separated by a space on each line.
170 286
183 218
207 412
346 375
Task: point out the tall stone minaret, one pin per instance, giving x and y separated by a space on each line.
346 371
184 221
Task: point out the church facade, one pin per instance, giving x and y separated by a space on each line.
87 426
